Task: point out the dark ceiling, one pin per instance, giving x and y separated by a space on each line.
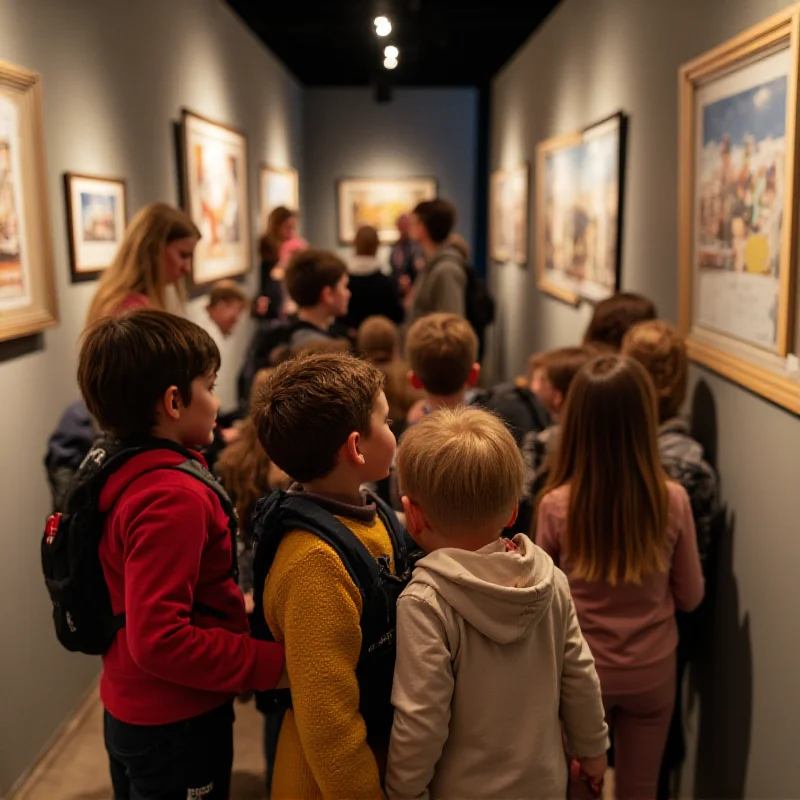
441 42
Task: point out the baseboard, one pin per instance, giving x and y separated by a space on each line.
55 744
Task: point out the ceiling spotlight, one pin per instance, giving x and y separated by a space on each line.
382 26
391 52
390 63
379 21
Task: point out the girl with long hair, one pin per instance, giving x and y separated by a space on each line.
279 241
624 535
156 252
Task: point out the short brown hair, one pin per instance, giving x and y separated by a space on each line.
615 316
461 466
226 291
438 217
563 364
367 241
308 408
377 337
309 272
127 364
661 350
441 350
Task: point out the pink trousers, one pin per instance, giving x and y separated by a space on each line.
638 704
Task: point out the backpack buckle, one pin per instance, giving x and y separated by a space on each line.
52 526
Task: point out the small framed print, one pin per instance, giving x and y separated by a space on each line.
97 215
278 187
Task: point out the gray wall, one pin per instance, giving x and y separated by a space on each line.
589 59
422 132
115 77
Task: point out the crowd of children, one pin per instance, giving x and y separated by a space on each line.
484 624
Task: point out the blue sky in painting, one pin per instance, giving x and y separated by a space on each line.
759 112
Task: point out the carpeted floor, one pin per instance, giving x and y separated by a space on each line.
78 770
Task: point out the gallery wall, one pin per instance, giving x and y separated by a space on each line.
592 58
421 132
115 78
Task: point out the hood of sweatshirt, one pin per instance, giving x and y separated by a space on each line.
367 265
501 592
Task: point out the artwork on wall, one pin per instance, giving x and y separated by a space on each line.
96 218
216 197
27 293
278 187
363 201
579 187
508 228
738 229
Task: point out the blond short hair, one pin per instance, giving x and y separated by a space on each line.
462 468
442 349
226 291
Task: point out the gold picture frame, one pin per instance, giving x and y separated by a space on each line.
27 289
737 208
509 208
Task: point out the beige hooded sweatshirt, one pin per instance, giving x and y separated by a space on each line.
490 663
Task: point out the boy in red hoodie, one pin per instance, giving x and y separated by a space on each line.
184 653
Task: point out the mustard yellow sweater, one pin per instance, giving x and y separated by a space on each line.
313 607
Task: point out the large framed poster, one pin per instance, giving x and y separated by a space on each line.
579 189
216 197
277 187
738 223
27 292
508 212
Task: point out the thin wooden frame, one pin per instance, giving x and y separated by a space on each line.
231 259
499 185
567 141
78 273
746 364
35 308
346 227
265 207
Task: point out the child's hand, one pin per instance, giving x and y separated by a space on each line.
249 602
595 767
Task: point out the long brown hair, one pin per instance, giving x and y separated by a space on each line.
271 241
608 454
138 266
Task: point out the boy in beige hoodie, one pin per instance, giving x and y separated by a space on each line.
491 663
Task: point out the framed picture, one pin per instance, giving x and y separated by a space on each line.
216 197
508 228
27 292
738 223
278 187
364 201
579 188
97 214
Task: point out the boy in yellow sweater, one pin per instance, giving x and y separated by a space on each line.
323 419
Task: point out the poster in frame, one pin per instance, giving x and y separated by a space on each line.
27 291
216 197
509 209
97 215
737 209
277 187
580 180
379 202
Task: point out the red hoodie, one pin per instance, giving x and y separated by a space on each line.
166 548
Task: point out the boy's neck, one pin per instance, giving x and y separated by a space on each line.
436 401
318 316
341 488
429 247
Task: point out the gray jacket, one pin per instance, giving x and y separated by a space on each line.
441 286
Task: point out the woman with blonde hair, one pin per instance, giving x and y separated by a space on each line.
156 252
624 535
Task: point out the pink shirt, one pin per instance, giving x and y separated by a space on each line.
131 302
631 625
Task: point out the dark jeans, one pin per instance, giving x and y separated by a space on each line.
182 760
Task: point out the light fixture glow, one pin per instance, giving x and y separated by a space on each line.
384 29
390 63
391 51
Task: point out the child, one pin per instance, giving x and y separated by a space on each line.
442 350
323 419
226 301
490 659
184 652
615 316
378 343
624 535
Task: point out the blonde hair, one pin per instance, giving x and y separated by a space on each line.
462 467
661 350
138 266
226 291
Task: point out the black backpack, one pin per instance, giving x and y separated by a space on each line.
82 613
379 588
479 305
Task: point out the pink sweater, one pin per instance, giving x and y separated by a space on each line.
628 625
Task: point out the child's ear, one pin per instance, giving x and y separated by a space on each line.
352 449
325 295
514 515
474 375
414 380
415 520
558 400
170 403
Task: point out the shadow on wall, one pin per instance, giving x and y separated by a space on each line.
721 678
16 348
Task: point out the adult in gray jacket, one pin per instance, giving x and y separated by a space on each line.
442 284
